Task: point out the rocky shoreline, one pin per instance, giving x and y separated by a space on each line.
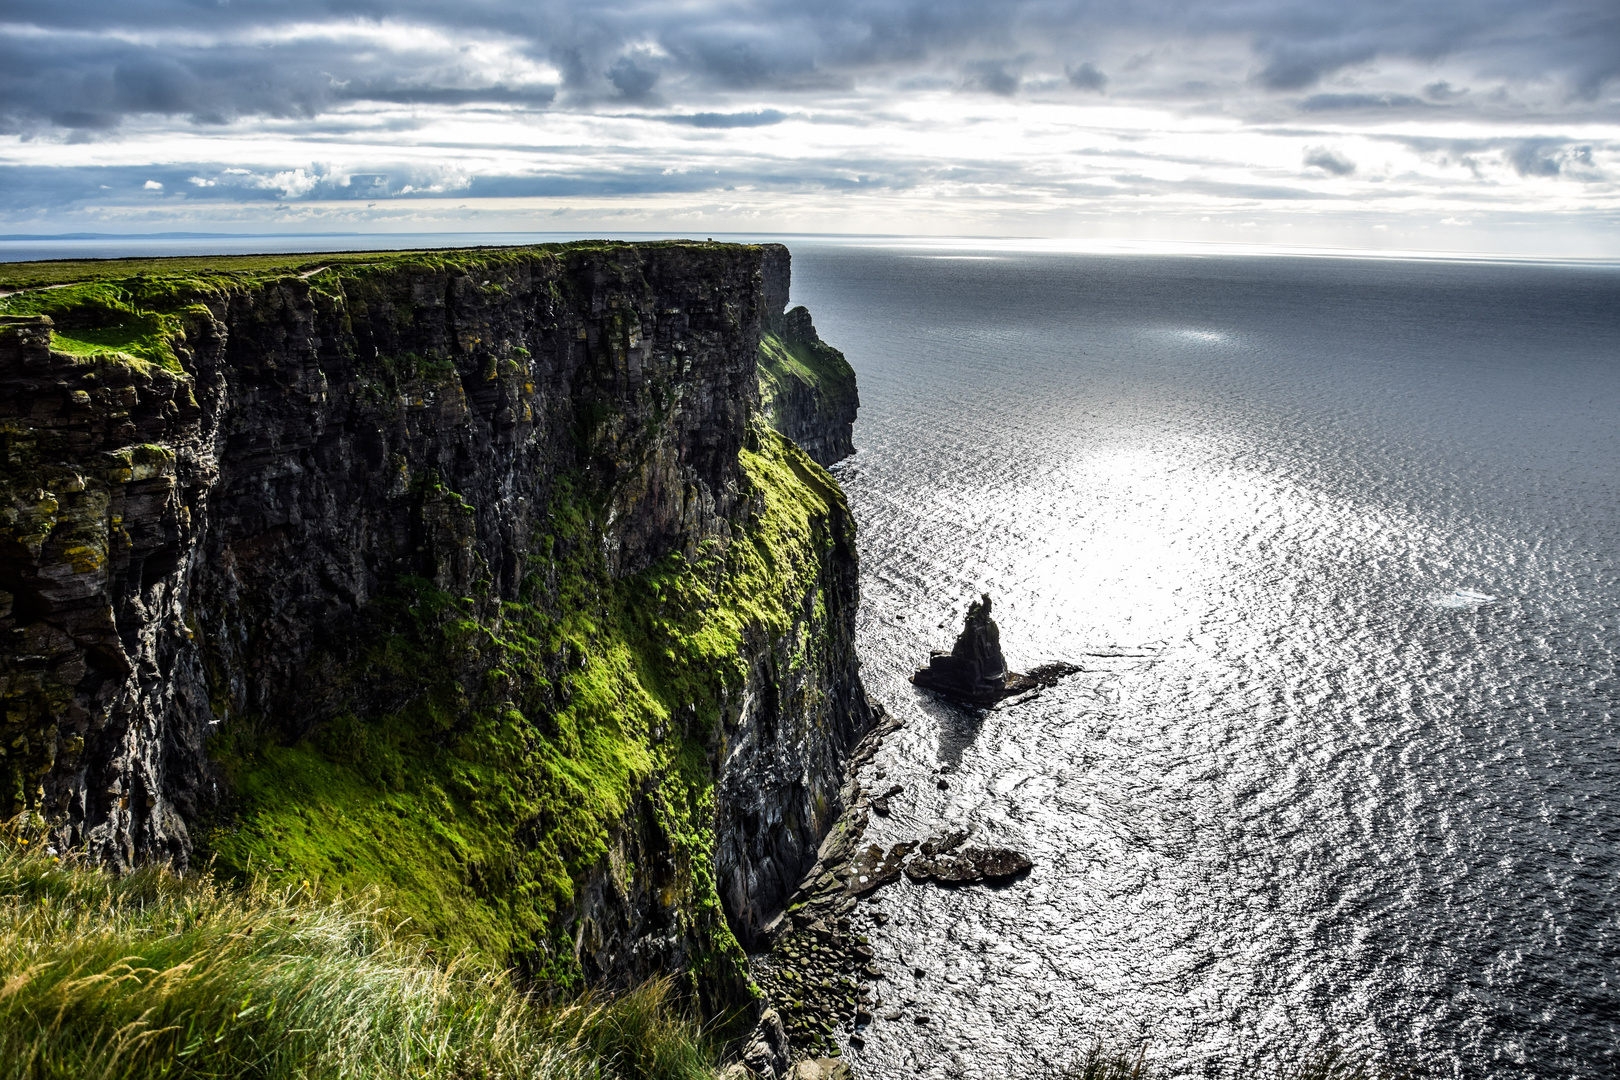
819 976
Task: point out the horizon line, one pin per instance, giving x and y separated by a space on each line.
1014 244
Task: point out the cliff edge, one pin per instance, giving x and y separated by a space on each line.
807 388
485 578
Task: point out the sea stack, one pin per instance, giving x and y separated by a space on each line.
974 671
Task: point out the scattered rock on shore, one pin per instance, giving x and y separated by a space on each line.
809 978
813 976
874 868
1037 679
880 803
821 1069
968 866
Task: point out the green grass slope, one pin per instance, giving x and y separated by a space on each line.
818 367
149 975
531 728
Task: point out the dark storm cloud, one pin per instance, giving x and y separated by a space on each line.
1548 157
1361 102
540 95
763 118
633 77
1086 77
1443 91
1329 161
994 76
1534 157
91 64
95 83
1296 67
1540 157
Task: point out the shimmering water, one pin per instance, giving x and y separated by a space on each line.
1338 544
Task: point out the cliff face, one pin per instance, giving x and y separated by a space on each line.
471 576
807 388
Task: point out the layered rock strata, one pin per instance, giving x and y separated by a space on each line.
474 576
807 388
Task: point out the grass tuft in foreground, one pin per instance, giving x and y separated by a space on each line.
152 975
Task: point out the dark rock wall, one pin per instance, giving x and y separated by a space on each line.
791 730
107 471
808 389
776 280
177 547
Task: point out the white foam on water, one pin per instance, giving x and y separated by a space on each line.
1462 598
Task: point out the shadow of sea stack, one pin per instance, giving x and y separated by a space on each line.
974 672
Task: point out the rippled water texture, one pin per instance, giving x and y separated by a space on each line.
1336 542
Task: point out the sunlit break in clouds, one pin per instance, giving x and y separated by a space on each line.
1426 124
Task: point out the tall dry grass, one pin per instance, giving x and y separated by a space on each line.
151 975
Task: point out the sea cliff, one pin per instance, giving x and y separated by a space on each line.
807 388
488 579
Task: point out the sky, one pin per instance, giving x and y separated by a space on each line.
1439 125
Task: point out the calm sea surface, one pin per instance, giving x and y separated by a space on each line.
1337 543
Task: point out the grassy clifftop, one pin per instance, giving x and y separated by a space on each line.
52 273
134 309
807 389
784 361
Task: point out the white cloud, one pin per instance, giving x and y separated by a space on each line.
291 183
1066 115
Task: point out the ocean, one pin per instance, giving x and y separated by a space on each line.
1336 542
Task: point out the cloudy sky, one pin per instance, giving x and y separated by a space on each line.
1429 124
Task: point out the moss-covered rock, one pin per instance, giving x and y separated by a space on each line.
470 575
807 388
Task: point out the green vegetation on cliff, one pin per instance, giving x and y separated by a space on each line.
51 273
137 320
150 975
137 310
819 367
521 774
531 728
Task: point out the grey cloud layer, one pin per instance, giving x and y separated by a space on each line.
88 66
